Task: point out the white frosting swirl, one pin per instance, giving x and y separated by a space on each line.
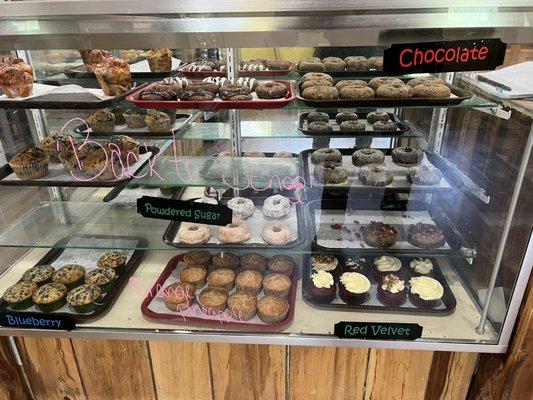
427 288
322 279
387 264
393 284
422 265
355 282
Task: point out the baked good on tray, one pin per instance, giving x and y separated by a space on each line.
103 277
234 91
190 233
277 233
253 261
241 207
16 77
178 296
407 155
272 309
424 175
271 90
83 298
355 264
353 288
114 76
317 116
277 284
40 274
250 281
322 287
356 92
367 156
282 264
158 121
91 58
30 163
345 116
115 260
134 118
375 175
225 259
50 297
426 236
392 291
319 126
326 154
236 232
198 257
330 173
352 126
375 116
196 275
276 207
385 265
102 121
420 266
54 144
425 292
70 275
242 305
378 234
19 296
336 64
394 91
159 60
213 299
324 262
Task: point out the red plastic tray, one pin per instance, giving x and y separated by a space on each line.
216 104
176 318
247 74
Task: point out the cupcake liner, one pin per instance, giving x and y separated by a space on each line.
31 171
417 301
391 299
351 298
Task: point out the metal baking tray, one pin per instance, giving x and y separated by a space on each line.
217 103
195 316
369 130
126 193
400 184
80 72
351 74
182 123
57 175
334 227
447 304
458 96
247 74
61 248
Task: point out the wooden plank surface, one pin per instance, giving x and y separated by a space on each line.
115 369
251 372
181 370
450 375
11 381
319 373
51 368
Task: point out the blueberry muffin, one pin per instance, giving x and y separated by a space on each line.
102 165
158 121
31 163
53 145
41 274
102 277
19 296
83 298
71 276
116 260
126 147
135 118
50 297
102 121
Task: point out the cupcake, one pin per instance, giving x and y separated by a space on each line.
53 145
281 264
102 165
425 292
222 277
254 262
102 277
178 296
83 298
134 118
213 299
116 260
31 163
158 121
19 296
196 275
72 156
159 60
40 274
385 265
355 264
272 309
420 266
102 121
197 257
125 147
242 305
322 287
50 297
323 262
353 288
225 259
392 291
277 285
71 275
250 281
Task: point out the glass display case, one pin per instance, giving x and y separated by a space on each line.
342 196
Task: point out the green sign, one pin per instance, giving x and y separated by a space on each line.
377 330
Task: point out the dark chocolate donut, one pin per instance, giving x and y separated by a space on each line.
317 116
319 126
271 90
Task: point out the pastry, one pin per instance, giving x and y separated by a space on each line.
356 63
424 175
125 147
319 126
272 309
277 284
163 91
278 65
420 266
190 233
352 126
207 86
50 297
385 265
367 156
383 80
316 76
71 275
386 126
426 236
254 262
72 156
375 63
353 288
222 278
40 274
430 80
425 292
317 116
241 207
253 65
236 232
394 91
407 155
102 164
351 82
376 116
323 262
132 55
334 64
196 275
16 78
356 92
431 91
213 300
103 277
114 76
345 116
249 281
83 298
378 234
242 305
312 64
159 60
271 90
134 118
322 287
254 153
91 58
277 233
276 207
330 173
282 154
31 163
314 82
322 155
391 291
19 296
320 93
225 259
158 121
178 296
355 264
116 260
282 264
118 112
54 144
375 175
234 91
102 121
197 257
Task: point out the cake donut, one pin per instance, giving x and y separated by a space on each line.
190 233
355 82
236 232
367 156
311 64
315 82
352 126
424 175
317 116
384 126
241 207
277 233
375 63
356 63
276 206
313 76
376 116
334 64
327 154
394 90
319 126
356 92
321 93
431 90
375 175
383 80
330 172
407 155
271 90
431 80
345 116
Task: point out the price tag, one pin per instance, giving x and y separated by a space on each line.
32 320
377 330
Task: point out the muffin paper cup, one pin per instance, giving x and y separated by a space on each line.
31 171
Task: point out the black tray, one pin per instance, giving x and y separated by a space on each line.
66 101
6 170
125 185
111 296
301 239
448 299
450 179
302 127
457 245
461 95
79 72
182 119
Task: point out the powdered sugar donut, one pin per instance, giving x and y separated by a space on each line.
241 207
190 233
236 232
277 233
276 206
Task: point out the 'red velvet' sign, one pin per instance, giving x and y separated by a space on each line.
459 55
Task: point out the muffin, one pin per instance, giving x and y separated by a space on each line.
222 277
250 281
281 264
272 309
324 262
103 277
378 234
53 145
118 112
178 296
102 121
425 292
426 236
19 296
321 287
159 60
392 291
385 265
39 274
71 275
420 266
242 305
31 163
134 118
225 259
73 156
102 164
125 147
353 288
83 298
197 257
115 260
254 262
196 275
158 121
50 297
213 299
277 285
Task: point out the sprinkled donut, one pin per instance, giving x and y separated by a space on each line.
334 64
315 82
276 206
431 80
375 175
311 64
322 155
368 156
356 63
352 126
319 126
190 233
320 93
356 92
355 82
277 233
376 116
241 207
317 116
383 80
236 232
313 76
345 116
394 90
431 90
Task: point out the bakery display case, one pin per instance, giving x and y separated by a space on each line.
262 174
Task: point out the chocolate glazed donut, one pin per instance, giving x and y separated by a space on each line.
271 90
